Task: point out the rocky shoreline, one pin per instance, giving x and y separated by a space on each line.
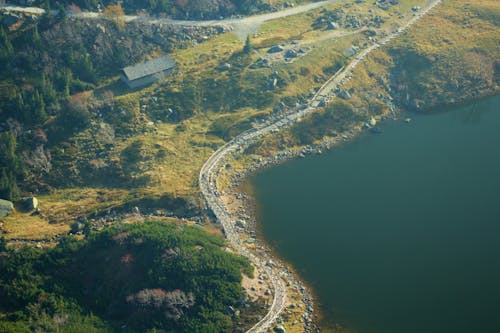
209 177
245 212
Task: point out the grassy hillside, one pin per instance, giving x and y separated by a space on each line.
131 278
95 152
451 56
98 147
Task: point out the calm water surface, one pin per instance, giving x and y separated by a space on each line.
397 232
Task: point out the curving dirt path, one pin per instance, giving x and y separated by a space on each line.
212 167
244 21
241 26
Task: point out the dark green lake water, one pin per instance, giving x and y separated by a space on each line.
397 232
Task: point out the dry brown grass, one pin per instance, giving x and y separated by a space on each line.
26 227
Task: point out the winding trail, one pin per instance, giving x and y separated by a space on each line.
212 168
247 23
242 26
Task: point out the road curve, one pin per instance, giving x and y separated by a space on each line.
212 167
245 21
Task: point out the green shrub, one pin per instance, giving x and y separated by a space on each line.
146 276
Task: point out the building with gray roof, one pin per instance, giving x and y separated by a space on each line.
147 72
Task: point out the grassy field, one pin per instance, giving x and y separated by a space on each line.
164 158
453 53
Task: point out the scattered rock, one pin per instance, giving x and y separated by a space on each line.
77 227
291 53
275 49
224 67
279 329
30 203
344 94
350 51
333 26
272 83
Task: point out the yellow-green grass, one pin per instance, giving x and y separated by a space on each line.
25 227
456 24
324 54
452 36
186 146
59 209
207 55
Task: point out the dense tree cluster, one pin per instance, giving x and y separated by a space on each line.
46 68
144 277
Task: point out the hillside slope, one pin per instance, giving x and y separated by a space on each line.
136 278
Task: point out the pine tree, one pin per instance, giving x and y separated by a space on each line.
8 149
47 89
6 48
87 72
47 7
4 184
10 166
38 108
62 14
67 77
248 46
34 36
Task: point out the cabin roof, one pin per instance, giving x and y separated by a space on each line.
149 67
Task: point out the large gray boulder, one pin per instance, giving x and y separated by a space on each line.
275 49
279 329
30 203
6 208
344 94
